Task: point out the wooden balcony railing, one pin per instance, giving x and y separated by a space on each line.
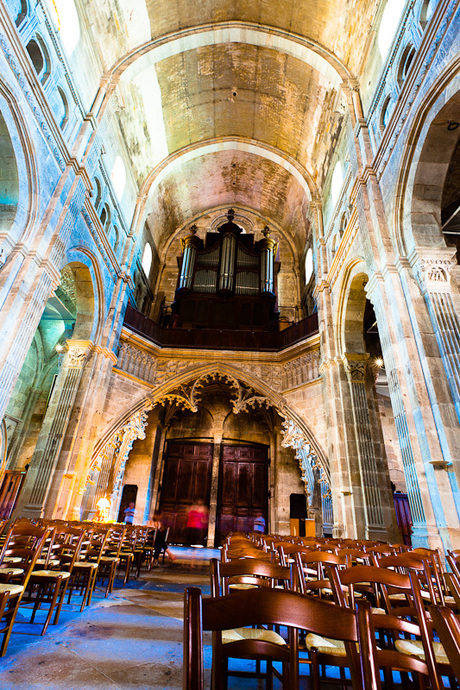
215 339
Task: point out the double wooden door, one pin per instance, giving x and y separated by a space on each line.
242 493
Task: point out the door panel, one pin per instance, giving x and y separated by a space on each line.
186 479
243 489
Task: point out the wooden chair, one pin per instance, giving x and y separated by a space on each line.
407 655
448 628
265 606
48 585
84 573
21 549
110 556
247 573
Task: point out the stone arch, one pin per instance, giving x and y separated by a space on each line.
348 320
215 146
111 453
19 203
430 145
310 52
90 293
181 388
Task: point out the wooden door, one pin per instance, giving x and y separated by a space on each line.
243 488
186 479
403 516
9 492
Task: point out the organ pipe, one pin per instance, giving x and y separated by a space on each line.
268 249
189 247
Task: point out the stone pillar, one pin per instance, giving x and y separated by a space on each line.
158 468
356 366
218 433
49 444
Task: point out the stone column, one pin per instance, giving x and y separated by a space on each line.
218 432
356 366
49 444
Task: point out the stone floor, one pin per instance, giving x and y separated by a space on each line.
131 640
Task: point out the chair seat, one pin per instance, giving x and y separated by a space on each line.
85 564
242 585
42 561
401 596
415 648
50 573
378 611
11 571
11 559
109 559
325 645
12 589
237 634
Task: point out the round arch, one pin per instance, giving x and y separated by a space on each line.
431 142
22 153
310 52
350 307
203 148
89 293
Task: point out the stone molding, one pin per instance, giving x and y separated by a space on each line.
156 371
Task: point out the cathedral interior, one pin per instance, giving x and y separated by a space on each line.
229 264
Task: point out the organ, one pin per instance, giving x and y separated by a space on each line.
227 280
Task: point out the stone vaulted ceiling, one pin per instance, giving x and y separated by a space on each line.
233 102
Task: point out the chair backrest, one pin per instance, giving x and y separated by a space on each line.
386 579
24 541
448 628
247 571
266 606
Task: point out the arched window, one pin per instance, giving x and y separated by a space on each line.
116 239
385 112
388 25
64 109
98 198
65 19
40 58
147 259
308 265
22 10
426 12
104 217
405 63
118 177
337 182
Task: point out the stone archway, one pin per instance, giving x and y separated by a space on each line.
110 456
46 479
369 494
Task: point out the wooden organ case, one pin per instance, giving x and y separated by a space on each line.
227 281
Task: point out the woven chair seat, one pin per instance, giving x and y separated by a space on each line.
50 573
237 634
11 571
12 589
325 645
415 648
85 564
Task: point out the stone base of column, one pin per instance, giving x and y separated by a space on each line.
376 533
32 511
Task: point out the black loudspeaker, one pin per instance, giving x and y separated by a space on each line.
298 506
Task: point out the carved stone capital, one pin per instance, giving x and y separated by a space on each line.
432 269
77 353
356 367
